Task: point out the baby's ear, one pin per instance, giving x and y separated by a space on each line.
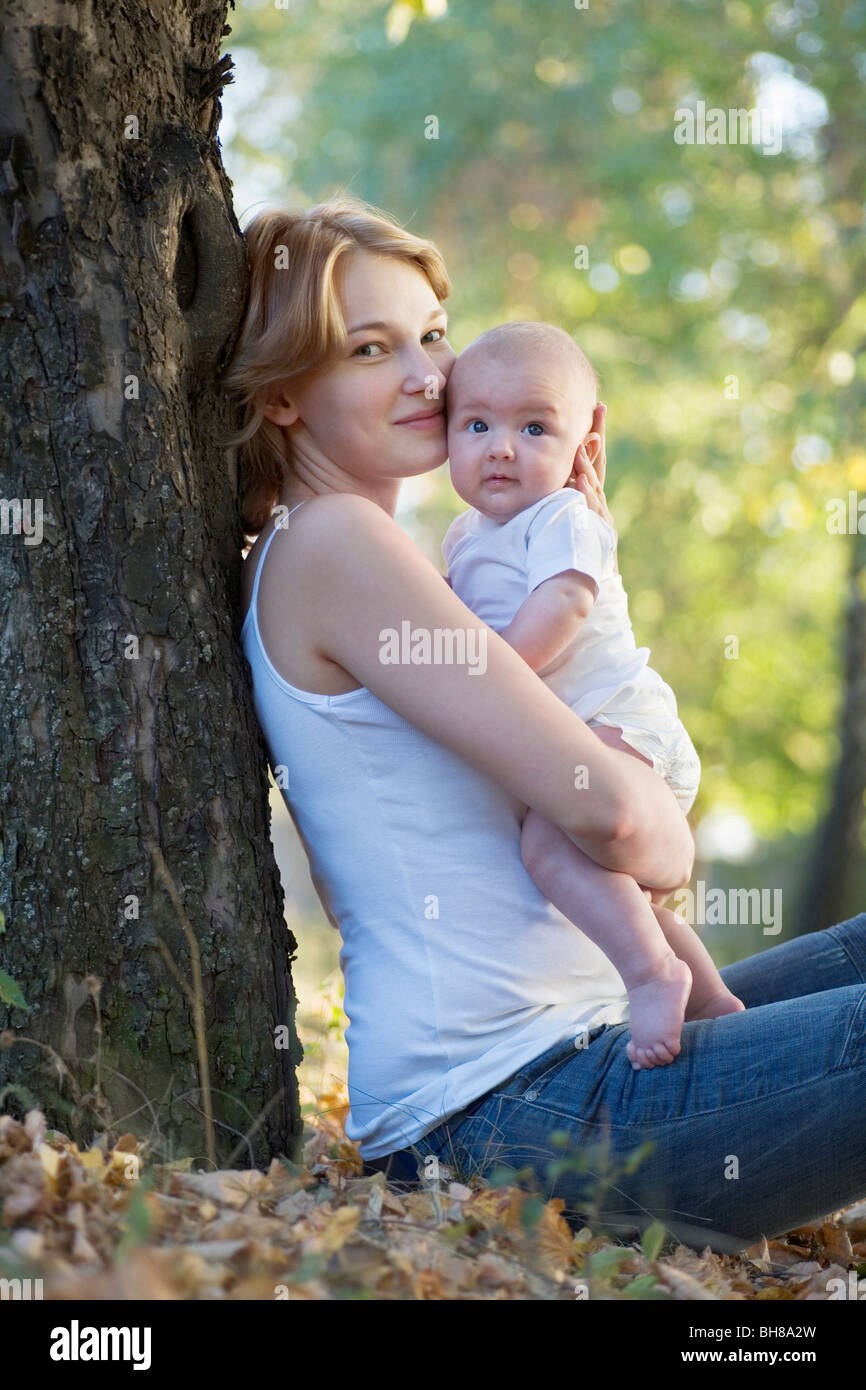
592 445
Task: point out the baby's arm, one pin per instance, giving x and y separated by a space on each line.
550 617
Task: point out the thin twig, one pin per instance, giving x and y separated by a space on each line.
196 995
244 1137
148 1104
62 1068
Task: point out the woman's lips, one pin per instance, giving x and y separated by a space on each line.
426 422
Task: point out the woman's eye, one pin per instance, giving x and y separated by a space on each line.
476 422
362 349
535 426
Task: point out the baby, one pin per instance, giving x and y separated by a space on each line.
534 562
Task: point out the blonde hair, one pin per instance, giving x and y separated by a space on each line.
292 319
513 341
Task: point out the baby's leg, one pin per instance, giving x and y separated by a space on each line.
710 996
613 912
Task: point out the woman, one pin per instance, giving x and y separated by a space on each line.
480 1021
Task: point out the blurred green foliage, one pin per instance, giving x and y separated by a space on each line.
721 297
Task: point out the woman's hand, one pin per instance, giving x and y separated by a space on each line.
588 478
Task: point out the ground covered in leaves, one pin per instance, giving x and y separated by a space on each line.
106 1224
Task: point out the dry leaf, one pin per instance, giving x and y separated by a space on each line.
837 1244
341 1225
683 1285
230 1187
552 1237
373 1210
290 1208
52 1163
429 1285
239 1234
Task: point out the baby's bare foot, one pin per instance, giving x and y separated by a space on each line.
723 1002
656 1011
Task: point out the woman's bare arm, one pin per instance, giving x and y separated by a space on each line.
353 574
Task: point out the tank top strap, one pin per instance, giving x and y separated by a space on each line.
280 526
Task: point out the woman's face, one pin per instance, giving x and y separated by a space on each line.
349 418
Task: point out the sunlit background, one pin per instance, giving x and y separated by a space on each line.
719 290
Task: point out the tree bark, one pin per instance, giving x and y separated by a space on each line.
141 897
830 885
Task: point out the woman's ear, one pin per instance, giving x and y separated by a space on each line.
280 410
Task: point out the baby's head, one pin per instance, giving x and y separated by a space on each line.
519 402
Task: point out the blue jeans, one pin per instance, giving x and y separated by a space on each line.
757 1127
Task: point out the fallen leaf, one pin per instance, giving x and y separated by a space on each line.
683 1285
551 1236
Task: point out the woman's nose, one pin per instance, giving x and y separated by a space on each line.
435 373
425 374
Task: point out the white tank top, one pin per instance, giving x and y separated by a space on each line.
457 971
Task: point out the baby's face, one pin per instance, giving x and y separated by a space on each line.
513 431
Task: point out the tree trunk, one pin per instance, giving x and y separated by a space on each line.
830 893
142 902
833 881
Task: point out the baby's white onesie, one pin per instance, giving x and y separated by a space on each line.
602 675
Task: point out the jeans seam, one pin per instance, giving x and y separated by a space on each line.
842 1066
677 1119
567 1046
700 1114
840 941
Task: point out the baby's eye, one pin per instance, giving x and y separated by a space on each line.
535 426
440 331
476 422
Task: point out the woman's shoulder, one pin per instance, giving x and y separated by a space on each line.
334 539
311 528
325 525
338 514
336 503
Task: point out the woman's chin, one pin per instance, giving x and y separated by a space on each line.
413 468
